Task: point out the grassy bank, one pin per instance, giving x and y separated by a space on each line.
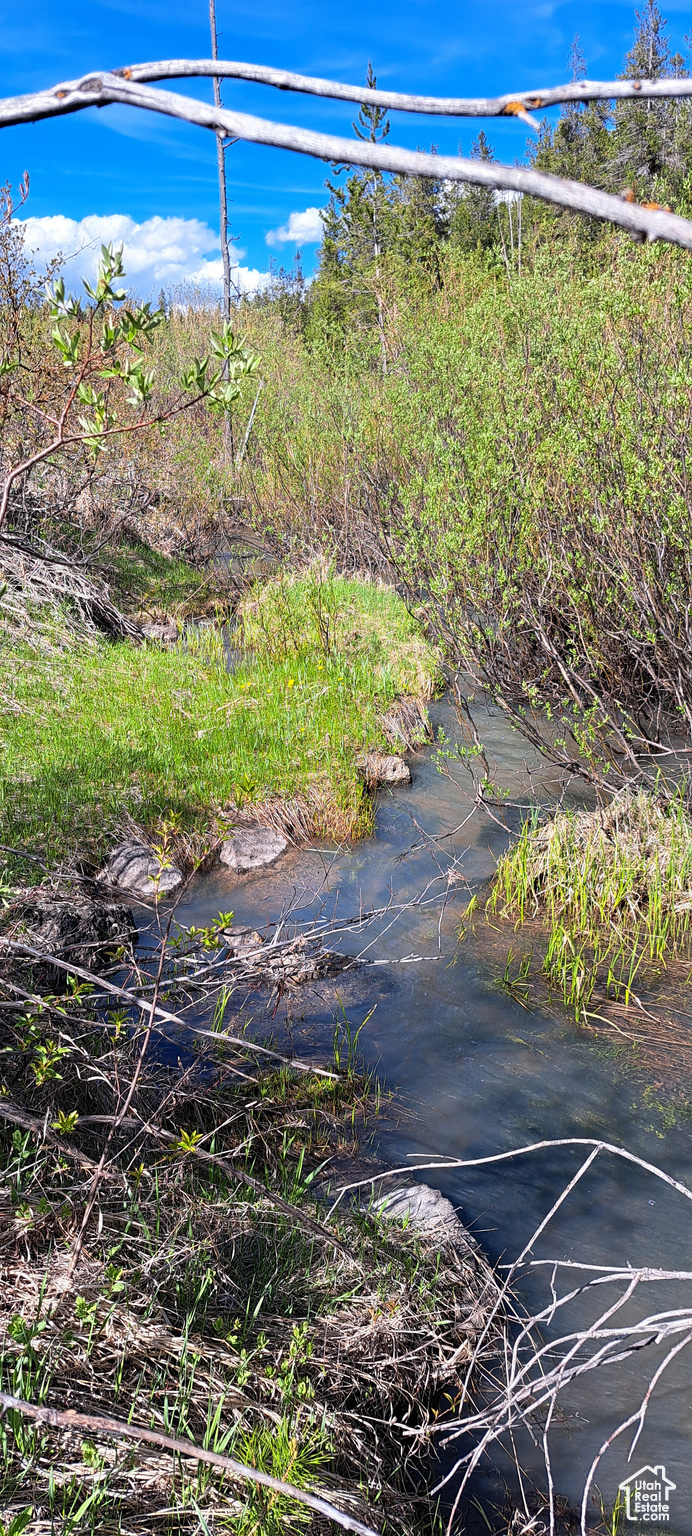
96 739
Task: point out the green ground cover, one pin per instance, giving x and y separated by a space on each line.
95 739
146 581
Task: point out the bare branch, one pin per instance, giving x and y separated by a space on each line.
99 1423
17 1116
98 90
513 104
445 1165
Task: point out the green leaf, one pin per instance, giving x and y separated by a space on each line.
188 1140
142 322
68 346
195 378
109 336
110 267
17 1524
140 382
65 1123
223 396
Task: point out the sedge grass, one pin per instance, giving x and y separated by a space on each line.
95 740
613 888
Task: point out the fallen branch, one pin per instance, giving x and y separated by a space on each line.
299 1217
103 88
155 1012
512 104
27 1122
97 1423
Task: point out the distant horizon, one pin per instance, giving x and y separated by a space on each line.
155 181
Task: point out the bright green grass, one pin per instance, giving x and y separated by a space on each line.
94 737
613 887
363 623
145 581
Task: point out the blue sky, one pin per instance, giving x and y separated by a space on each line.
149 170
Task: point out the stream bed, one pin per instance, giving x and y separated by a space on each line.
475 1073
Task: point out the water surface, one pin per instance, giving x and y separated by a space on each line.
475 1073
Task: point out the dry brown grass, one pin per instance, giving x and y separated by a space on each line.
197 1305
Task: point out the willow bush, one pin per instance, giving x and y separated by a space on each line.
522 467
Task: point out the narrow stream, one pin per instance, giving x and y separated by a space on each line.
475 1073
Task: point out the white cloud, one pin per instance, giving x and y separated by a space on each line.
304 228
159 253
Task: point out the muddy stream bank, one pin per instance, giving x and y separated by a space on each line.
475 1073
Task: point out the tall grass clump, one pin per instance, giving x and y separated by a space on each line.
96 740
363 623
612 886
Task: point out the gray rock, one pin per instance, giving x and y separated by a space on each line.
396 1197
133 867
252 847
384 768
426 1211
164 633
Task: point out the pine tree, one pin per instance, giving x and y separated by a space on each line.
419 226
580 146
357 235
652 148
472 211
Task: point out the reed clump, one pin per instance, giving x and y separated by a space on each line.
612 886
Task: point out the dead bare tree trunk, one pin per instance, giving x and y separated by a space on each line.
100 89
221 163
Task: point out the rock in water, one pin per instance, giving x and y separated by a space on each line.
426 1211
242 941
384 768
133 867
252 847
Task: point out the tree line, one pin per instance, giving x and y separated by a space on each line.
383 232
